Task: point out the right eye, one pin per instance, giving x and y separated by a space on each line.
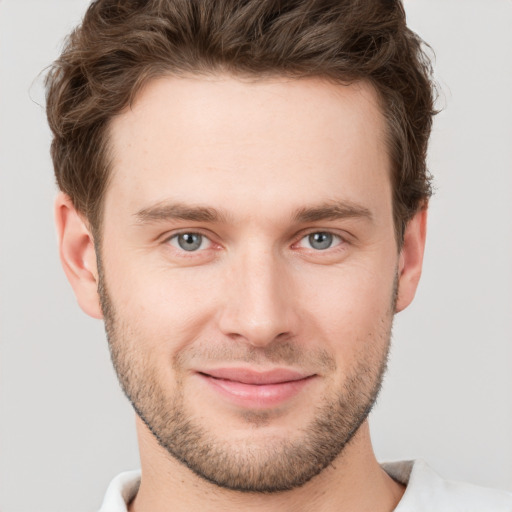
190 242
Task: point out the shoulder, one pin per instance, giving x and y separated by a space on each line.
121 490
427 491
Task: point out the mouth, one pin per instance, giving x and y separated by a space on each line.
248 388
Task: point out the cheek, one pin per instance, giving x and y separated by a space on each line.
168 308
351 310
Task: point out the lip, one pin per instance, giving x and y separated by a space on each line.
255 389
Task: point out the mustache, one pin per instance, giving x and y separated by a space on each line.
278 352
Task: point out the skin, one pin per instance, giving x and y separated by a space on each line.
258 153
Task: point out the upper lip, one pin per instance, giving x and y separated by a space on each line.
249 376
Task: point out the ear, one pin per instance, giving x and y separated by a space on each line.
411 259
77 255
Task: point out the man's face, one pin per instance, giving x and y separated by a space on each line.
249 271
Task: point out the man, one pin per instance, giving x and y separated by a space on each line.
244 197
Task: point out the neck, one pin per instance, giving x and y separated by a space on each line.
353 482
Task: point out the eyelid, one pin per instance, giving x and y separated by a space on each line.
182 231
205 241
336 241
166 239
343 237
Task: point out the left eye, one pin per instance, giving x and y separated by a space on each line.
320 241
190 242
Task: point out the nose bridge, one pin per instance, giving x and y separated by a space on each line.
257 306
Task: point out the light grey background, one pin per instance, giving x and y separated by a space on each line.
66 429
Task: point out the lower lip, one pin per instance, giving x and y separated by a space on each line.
256 396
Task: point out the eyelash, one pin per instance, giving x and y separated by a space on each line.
335 236
168 240
341 241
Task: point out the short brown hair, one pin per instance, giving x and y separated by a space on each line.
121 44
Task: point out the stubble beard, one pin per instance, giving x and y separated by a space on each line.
272 465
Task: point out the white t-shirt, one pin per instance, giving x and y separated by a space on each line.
426 492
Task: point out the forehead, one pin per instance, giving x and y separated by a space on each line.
281 140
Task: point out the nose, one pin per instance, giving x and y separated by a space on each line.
258 306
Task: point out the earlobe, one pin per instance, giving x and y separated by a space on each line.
411 259
77 255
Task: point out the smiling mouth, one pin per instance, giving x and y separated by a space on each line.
251 389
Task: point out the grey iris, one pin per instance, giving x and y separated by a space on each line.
190 241
320 241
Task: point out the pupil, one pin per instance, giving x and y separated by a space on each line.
320 241
189 241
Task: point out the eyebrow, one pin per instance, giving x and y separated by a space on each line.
332 211
162 212
178 211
